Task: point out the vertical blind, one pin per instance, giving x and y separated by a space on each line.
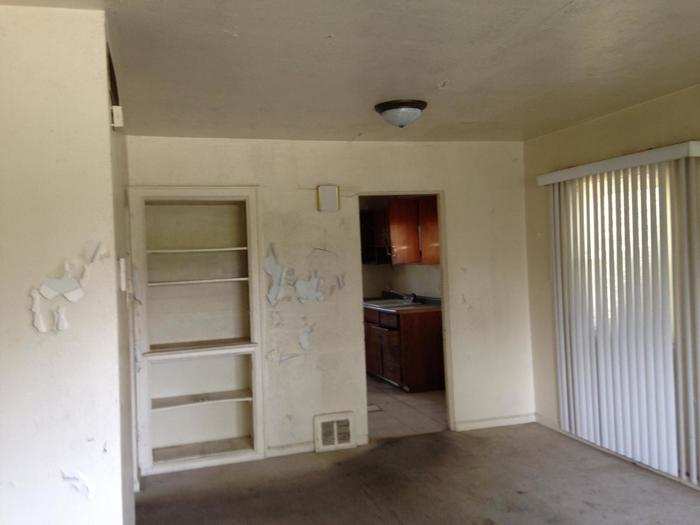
625 251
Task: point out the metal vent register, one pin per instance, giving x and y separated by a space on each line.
333 431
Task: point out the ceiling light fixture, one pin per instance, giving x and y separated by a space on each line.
401 113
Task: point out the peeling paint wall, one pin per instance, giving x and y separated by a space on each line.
60 443
421 279
314 350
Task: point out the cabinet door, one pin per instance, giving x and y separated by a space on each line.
391 355
373 349
366 235
375 237
429 230
403 230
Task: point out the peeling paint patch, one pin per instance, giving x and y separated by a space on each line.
309 289
286 357
276 318
277 273
305 338
275 355
78 482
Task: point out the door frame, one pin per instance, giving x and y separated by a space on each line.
444 285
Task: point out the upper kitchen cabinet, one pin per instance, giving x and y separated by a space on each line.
429 230
401 230
374 232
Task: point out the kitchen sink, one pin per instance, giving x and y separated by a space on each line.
391 303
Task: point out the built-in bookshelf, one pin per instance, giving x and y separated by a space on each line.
196 324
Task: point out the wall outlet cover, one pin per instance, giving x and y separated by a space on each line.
117 117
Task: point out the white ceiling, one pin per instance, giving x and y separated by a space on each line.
313 69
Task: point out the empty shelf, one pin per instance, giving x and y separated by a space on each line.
199 281
191 348
196 399
192 345
203 449
200 250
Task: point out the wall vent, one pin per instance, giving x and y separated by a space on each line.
334 431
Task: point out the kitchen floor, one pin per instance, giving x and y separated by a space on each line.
391 412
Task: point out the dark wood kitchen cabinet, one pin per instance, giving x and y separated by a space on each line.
405 232
374 232
429 230
404 347
373 349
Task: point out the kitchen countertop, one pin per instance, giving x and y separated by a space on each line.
396 306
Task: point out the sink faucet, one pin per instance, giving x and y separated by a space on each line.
406 297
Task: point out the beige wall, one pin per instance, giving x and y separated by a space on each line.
421 279
418 278
486 312
60 442
375 279
660 122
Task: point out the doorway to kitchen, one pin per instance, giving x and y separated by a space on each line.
402 305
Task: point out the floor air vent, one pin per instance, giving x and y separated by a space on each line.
334 431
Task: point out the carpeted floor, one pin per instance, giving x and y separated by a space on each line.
519 474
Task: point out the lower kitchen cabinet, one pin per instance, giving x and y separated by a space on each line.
373 349
404 347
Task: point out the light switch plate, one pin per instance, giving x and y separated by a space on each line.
122 274
117 117
328 198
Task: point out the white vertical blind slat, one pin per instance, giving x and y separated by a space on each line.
605 233
654 346
616 350
648 389
585 312
624 311
634 317
692 286
577 305
560 324
567 290
599 371
681 328
665 251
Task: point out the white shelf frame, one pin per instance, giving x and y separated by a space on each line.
199 250
221 458
232 396
189 353
144 358
200 281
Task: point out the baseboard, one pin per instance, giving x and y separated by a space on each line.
303 447
462 426
547 422
287 450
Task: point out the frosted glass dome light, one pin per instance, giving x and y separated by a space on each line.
401 113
